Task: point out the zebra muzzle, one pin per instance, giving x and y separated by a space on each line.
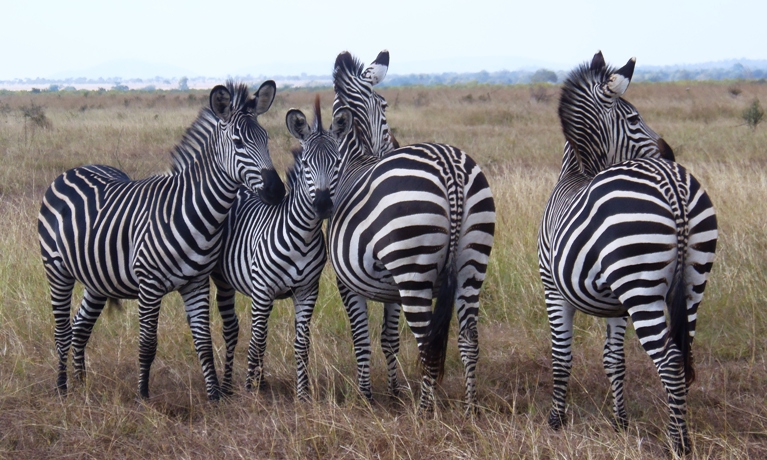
323 204
273 190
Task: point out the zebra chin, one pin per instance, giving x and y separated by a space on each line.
323 204
272 190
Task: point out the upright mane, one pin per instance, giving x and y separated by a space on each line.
194 142
346 66
578 88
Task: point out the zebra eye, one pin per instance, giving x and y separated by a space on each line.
238 142
633 119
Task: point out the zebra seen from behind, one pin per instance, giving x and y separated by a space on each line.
626 232
141 239
273 252
410 224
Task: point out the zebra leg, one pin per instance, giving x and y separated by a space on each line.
390 344
260 309
614 361
304 305
417 305
650 325
468 345
61 286
82 326
225 299
357 311
148 312
561 324
196 297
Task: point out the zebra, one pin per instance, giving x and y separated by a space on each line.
272 252
141 239
626 232
409 224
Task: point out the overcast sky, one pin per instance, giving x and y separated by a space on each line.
231 37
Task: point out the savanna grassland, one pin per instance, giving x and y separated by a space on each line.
513 132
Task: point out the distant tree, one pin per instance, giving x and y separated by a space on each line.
120 88
183 84
53 88
543 76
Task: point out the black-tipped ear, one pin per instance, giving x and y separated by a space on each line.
220 98
628 69
598 61
265 96
382 58
297 125
376 72
342 122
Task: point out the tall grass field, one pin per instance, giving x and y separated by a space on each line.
514 134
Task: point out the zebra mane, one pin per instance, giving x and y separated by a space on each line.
196 137
317 115
295 170
581 81
346 65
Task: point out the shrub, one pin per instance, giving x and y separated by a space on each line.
754 114
36 115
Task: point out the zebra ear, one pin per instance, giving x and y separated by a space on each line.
265 96
297 125
342 122
220 101
376 72
598 61
619 81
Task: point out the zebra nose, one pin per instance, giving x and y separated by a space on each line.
323 204
273 189
665 150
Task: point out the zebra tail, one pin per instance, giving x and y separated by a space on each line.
435 347
676 299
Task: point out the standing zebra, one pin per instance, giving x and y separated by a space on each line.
145 238
408 224
626 232
273 252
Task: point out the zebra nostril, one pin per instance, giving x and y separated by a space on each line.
323 204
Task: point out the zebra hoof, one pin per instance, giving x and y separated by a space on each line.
682 447
557 420
226 390
620 424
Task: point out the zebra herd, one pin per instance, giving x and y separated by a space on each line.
626 232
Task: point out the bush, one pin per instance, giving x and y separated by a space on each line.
754 114
36 115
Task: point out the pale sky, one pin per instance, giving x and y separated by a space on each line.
42 38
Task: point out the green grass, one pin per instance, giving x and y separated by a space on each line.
518 142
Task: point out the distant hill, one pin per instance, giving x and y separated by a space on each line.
139 75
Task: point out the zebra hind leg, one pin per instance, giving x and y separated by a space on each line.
61 300
650 325
225 298
390 345
468 345
614 360
82 326
561 324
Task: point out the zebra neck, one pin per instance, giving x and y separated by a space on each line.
206 191
304 222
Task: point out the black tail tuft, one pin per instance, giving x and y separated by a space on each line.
435 345
680 326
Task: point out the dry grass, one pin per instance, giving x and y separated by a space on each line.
515 135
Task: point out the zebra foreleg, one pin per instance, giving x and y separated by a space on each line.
357 311
304 306
225 299
390 345
148 312
260 309
197 305
561 324
82 326
614 361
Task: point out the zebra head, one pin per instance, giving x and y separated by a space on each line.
317 162
353 85
602 127
242 141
